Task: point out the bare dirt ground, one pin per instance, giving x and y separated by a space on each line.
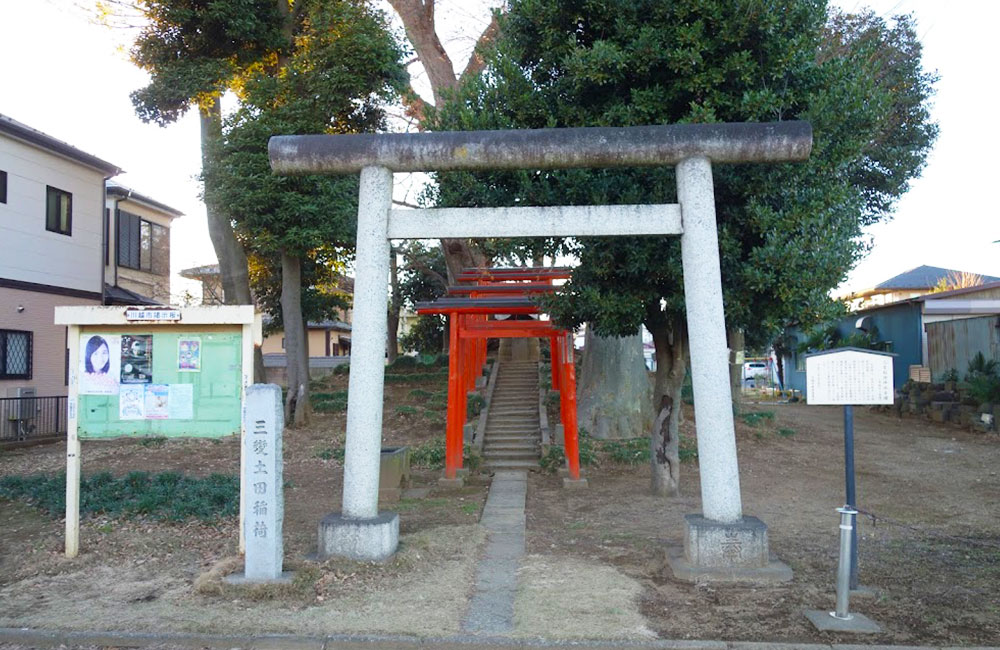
595 565
937 578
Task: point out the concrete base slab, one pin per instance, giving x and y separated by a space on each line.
451 483
373 539
774 571
740 544
285 578
574 484
826 622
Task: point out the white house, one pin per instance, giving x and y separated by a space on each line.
67 237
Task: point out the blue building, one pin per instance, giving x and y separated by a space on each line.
900 328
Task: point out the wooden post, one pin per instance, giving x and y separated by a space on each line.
73 446
453 428
568 382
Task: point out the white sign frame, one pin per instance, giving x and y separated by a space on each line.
849 376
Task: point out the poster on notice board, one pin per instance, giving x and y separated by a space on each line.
137 359
100 363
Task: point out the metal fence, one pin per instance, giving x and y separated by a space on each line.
24 419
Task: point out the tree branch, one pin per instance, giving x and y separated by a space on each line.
418 21
476 61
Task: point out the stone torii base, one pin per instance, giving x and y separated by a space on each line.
725 539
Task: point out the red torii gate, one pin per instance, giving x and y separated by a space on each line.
501 291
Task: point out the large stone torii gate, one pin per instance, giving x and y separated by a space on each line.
720 541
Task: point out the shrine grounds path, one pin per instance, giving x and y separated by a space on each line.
594 566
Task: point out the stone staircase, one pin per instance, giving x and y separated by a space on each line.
513 435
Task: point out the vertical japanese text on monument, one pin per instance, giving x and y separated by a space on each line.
263 501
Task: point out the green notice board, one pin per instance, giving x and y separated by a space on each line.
185 395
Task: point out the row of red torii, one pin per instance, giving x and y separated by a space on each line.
501 291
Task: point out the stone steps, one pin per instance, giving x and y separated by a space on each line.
512 437
511 464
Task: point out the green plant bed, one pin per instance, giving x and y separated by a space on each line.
406 410
331 406
420 393
169 495
633 451
755 418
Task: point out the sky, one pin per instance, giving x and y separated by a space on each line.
72 80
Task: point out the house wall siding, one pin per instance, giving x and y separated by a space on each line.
145 283
952 344
48 372
30 253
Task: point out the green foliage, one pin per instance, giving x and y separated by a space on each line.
430 454
331 453
474 404
755 418
633 451
153 441
330 402
553 459
342 369
406 410
420 393
437 403
687 450
950 375
415 377
588 450
426 337
403 362
788 233
170 495
786 433
979 366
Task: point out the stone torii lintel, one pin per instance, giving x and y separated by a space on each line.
631 146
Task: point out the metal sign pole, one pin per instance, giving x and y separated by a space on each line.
851 491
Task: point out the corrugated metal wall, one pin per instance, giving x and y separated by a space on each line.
951 344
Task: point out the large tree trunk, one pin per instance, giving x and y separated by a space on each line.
233 267
670 339
737 344
296 344
614 392
392 344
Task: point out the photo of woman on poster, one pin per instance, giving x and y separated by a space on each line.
99 365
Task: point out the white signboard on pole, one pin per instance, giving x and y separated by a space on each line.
849 376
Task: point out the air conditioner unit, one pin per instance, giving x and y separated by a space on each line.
27 406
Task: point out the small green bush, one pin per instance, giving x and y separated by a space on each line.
755 418
153 441
331 406
403 362
430 454
687 450
437 404
169 495
474 404
553 459
342 369
633 451
786 433
420 393
331 453
406 410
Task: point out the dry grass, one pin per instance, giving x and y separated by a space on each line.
568 598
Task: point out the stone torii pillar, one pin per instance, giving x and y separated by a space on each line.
719 542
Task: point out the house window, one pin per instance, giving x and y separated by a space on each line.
3 186
58 211
143 245
15 354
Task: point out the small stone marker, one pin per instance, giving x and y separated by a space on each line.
264 501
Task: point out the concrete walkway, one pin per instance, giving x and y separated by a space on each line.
491 609
20 638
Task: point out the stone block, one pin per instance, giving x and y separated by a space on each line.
263 421
726 552
711 543
451 483
574 484
394 472
468 432
559 435
359 539
856 624
939 415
